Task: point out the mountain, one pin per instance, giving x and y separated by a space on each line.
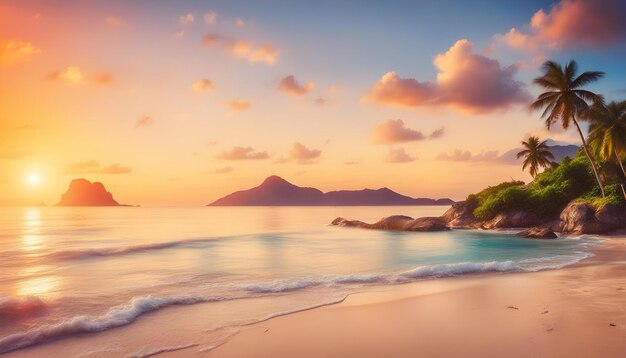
82 192
558 151
276 191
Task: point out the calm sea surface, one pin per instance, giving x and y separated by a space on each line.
67 271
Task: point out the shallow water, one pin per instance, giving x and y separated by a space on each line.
73 270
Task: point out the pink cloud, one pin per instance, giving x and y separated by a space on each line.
291 86
238 105
466 81
265 53
466 156
114 21
210 17
398 155
104 78
186 19
144 122
242 153
222 170
571 23
203 85
302 154
239 48
393 131
93 166
242 48
14 50
71 75
437 133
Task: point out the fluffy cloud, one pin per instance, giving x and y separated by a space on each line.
398 155
571 23
465 80
144 122
291 86
242 153
437 133
238 105
265 53
71 75
239 48
202 85
14 50
393 131
210 40
240 23
186 19
93 166
210 17
466 156
301 154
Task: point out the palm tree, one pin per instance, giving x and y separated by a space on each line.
565 100
607 132
537 154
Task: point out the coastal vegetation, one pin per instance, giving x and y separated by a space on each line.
595 176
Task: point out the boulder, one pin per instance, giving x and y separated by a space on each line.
582 218
538 233
397 223
461 215
510 219
427 224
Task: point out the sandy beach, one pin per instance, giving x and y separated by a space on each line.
578 311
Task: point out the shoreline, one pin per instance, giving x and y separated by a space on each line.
394 300
538 322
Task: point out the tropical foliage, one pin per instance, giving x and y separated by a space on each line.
536 154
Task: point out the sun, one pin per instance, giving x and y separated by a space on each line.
33 179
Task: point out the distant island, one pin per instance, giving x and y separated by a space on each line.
276 191
82 192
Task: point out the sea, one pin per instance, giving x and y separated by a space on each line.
67 272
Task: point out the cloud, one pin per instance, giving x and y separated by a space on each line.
239 105
93 166
242 153
393 131
202 85
242 48
467 81
240 23
71 75
398 155
571 24
114 21
301 154
144 122
14 50
210 17
104 79
179 35
437 133
239 48
291 86
265 53
222 170
466 156
186 19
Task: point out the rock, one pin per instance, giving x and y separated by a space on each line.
513 219
538 233
461 215
82 192
397 223
583 218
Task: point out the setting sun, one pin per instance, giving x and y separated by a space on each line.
33 179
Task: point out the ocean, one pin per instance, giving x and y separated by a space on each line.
74 271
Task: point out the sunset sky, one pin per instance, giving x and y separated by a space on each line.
182 102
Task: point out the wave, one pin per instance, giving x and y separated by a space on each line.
445 270
21 306
282 286
116 317
121 250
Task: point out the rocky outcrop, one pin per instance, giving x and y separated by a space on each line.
513 219
583 218
538 233
397 223
461 215
85 193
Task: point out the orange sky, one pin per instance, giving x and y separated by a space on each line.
181 104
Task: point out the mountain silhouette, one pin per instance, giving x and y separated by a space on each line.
82 192
276 191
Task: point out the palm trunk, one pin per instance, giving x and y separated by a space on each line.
589 157
619 161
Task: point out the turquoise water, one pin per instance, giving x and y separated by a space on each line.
65 271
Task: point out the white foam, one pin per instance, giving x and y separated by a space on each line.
357 279
444 270
163 350
115 317
282 286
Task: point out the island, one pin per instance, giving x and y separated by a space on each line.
276 191
82 192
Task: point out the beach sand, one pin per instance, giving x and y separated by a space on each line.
579 311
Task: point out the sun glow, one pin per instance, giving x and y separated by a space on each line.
33 179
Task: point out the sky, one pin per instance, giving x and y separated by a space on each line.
180 103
